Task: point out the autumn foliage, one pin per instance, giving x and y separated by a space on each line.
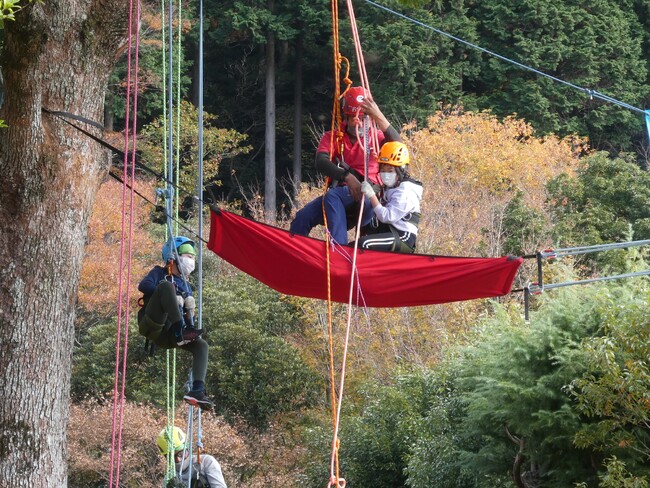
252 462
100 272
471 165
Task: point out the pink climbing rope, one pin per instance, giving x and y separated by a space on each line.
123 298
363 74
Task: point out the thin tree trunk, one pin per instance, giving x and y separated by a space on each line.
57 55
269 145
519 459
109 115
297 118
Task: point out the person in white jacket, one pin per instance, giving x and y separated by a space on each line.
206 470
398 212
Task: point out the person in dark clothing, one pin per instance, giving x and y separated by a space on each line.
346 169
167 313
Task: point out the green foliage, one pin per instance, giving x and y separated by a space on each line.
617 476
437 453
153 70
523 227
255 17
615 389
253 372
375 444
452 427
376 434
511 381
217 144
412 70
245 301
608 197
93 370
8 10
256 376
597 45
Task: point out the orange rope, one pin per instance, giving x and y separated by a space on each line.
336 141
336 115
337 145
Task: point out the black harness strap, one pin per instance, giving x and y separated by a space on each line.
398 244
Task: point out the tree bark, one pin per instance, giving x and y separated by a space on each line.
57 54
297 117
519 459
269 143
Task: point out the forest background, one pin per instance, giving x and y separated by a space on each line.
465 394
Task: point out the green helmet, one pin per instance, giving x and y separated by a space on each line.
181 244
177 440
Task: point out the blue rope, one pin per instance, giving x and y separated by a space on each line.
592 93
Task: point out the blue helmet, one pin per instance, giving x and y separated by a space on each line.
188 247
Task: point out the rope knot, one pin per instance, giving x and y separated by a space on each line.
336 482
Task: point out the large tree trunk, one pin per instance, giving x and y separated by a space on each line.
57 55
269 139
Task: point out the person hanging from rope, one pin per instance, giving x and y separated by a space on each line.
346 169
206 470
396 217
167 314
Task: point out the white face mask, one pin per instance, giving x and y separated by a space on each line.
389 179
186 264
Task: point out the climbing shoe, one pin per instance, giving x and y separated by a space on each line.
187 335
198 398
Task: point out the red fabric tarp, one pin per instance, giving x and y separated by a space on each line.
296 265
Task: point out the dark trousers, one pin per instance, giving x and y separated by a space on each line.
162 308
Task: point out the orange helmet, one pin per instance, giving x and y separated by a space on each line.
352 100
394 153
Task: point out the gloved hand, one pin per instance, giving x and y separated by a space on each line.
190 305
367 189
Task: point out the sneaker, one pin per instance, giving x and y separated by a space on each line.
188 334
199 399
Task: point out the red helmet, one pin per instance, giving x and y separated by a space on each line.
352 100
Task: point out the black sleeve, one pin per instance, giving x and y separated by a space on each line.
391 135
327 167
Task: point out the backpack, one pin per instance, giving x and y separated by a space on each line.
200 482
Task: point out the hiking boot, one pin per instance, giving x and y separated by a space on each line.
198 398
188 334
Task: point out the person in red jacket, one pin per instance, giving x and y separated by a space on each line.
346 169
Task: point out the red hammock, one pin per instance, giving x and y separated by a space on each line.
295 265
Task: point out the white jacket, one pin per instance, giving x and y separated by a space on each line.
209 467
398 203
